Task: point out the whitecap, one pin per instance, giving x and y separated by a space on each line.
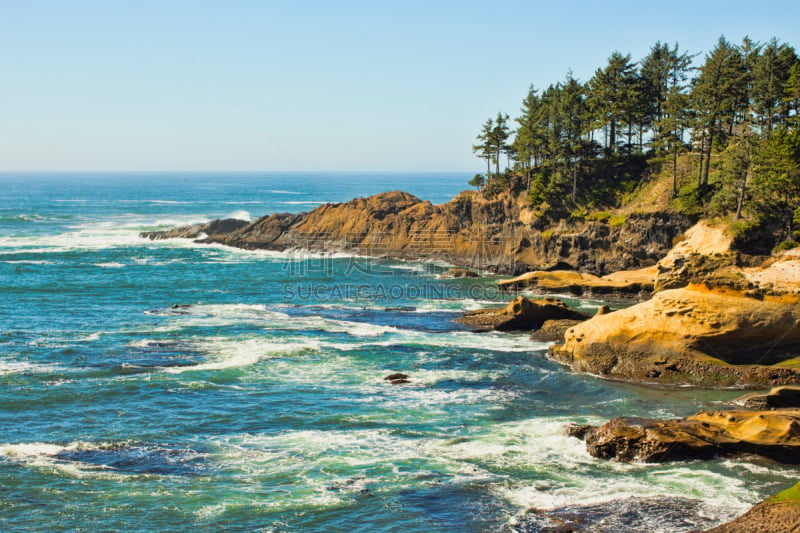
241 214
111 264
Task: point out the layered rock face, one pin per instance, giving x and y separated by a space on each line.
708 434
626 284
501 234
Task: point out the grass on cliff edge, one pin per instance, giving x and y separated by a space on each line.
790 495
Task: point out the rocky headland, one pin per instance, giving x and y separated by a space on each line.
501 234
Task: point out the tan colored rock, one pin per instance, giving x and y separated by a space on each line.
627 282
520 314
708 434
777 398
553 330
690 336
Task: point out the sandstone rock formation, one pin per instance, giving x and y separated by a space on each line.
691 336
708 434
624 284
777 398
520 314
553 330
500 234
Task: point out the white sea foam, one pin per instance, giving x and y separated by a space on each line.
278 191
24 367
30 262
240 214
44 455
111 264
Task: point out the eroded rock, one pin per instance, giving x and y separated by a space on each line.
708 434
695 336
520 314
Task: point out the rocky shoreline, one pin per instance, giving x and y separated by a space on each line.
500 234
707 315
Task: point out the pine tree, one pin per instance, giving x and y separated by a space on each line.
610 96
484 148
530 137
719 98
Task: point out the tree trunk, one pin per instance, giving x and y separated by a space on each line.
740 200
675 173
708 157
612 137
574 181
702 155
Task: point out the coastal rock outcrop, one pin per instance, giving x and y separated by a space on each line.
708 434
499 233
777 398
454 273
198 231
693 336
520 314
625 284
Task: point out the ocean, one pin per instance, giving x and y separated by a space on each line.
172 386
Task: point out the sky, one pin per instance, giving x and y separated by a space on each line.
312 85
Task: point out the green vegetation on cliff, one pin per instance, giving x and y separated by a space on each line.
721 138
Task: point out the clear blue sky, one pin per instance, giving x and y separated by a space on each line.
311 85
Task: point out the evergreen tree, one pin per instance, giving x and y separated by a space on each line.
771 71
484 148
498 139
791 95
719 97
776 179
530 137
663 74
610 94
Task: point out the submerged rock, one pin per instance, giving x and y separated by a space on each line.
621 515
398 378
708 434
458 273
520 314
776 514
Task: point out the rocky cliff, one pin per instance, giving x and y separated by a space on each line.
714 321
501 234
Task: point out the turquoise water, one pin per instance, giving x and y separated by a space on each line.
171 386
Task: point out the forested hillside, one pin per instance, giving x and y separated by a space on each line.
722 129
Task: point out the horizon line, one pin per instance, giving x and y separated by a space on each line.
41 171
